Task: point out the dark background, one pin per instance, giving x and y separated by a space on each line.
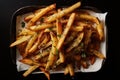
110 67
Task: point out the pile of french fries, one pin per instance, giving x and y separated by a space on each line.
60 39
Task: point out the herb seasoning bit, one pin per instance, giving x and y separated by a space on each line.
41 19
23 24
59 35
57 51
83 55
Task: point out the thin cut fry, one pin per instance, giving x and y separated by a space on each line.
34 47
40 27
21 40
30 43
40 14
63 12
54 52
47 74
76 42
30 70
98 54
66 30
100 30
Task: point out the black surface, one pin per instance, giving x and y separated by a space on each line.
8 69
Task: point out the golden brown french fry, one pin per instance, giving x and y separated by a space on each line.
100 30
41 55
89 18
26 32
54 52
35 46
63 12
44 41
97 53
28 61
75 42
21 40
66 70
30 43
58 29
29 17
47 74
47 45
61 58
30 70
40 14
42 26
66 30
70 38
77 28
71 70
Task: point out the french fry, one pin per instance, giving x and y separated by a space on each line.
28 61
41 55
30 70
66 30
27 18
63 12
54 52
40 14
25 32
97 53
100 30
59 29
61 58
76 42
42 26
66 70
30 43
47 74
21 40
78 28
35 46
70 38
71 70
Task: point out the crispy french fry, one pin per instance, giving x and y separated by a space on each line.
97 53
100 30
66 30
21 40
42 26
26 32
58 29
76 42
63 12
66 70
28 61
70 38
47 45
61 58
30 43
71 70
27 18
41 55
89 18
54 52
30 70
40 14
78 28
47 74
35 46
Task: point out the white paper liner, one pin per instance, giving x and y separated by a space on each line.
92 68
